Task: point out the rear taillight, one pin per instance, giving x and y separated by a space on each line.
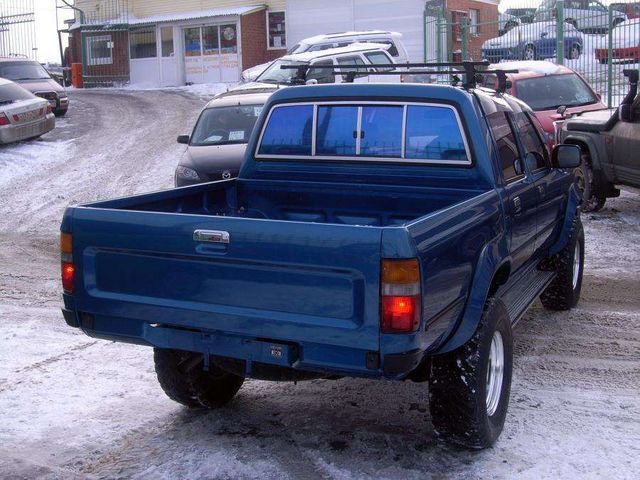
400 296
66 258
49 110
4 120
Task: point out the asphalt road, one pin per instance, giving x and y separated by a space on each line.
75 407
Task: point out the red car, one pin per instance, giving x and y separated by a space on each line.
625 42
545 86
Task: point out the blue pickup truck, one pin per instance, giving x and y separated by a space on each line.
375 230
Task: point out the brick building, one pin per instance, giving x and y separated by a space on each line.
167 42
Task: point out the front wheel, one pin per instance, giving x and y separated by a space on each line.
469 387
592 199
564 291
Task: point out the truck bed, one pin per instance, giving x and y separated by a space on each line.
342 204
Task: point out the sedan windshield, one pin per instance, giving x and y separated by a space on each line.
275 74
225 125
23 71
551 91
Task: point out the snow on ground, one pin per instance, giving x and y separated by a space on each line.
76 407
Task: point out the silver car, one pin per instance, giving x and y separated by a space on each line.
22 114
584 15
35 78
216 147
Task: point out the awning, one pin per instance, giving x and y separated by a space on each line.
179 16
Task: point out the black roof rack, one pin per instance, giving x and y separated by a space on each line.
467 68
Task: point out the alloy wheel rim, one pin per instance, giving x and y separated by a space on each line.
495 373
576 265
528 54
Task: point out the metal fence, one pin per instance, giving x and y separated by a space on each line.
17 29
596 41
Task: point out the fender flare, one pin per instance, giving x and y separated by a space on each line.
574 198
493 256
594 153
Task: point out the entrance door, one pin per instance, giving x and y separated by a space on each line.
193 64
211 53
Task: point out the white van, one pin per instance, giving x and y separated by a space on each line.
395 48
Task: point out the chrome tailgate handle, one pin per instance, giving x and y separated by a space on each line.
211 236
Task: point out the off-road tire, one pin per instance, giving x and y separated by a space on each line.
458 384
563 293
170 369
592 199
183 379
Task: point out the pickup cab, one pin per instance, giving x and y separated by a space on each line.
375 230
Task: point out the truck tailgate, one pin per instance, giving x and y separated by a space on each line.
296 281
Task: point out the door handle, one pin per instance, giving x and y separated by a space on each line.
517 205
541 190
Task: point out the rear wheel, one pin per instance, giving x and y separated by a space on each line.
183 379
469 387
574 52
529 52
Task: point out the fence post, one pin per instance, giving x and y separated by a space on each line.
425 36
560 32
439 24
610 59
464 36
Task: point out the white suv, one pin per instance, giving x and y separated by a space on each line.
585 15
335 40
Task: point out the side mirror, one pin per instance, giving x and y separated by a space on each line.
543 34
183 139
566 156
311 81
561 109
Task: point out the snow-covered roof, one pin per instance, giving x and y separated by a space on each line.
214 12
354 47
334 36
536 66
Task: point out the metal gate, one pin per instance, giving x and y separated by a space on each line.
596 41
17 29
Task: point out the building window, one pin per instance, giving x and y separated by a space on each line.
142 42
99 50
474 18
276 30
228 38
166 34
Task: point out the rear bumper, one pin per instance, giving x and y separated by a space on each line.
618 53
303 357
15 133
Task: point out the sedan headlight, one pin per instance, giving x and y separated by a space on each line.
187 173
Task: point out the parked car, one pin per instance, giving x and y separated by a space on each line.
610 142
532 41
545 87
35 78
625 43
22 114
630 9
393 40
524 14
355 54
216 147
372 232
584 15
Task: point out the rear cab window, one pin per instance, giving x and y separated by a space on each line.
365 131
11 92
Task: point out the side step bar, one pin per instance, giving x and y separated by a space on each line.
520 294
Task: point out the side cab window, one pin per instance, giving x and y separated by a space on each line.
508 154
534 149
351 60
322 75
